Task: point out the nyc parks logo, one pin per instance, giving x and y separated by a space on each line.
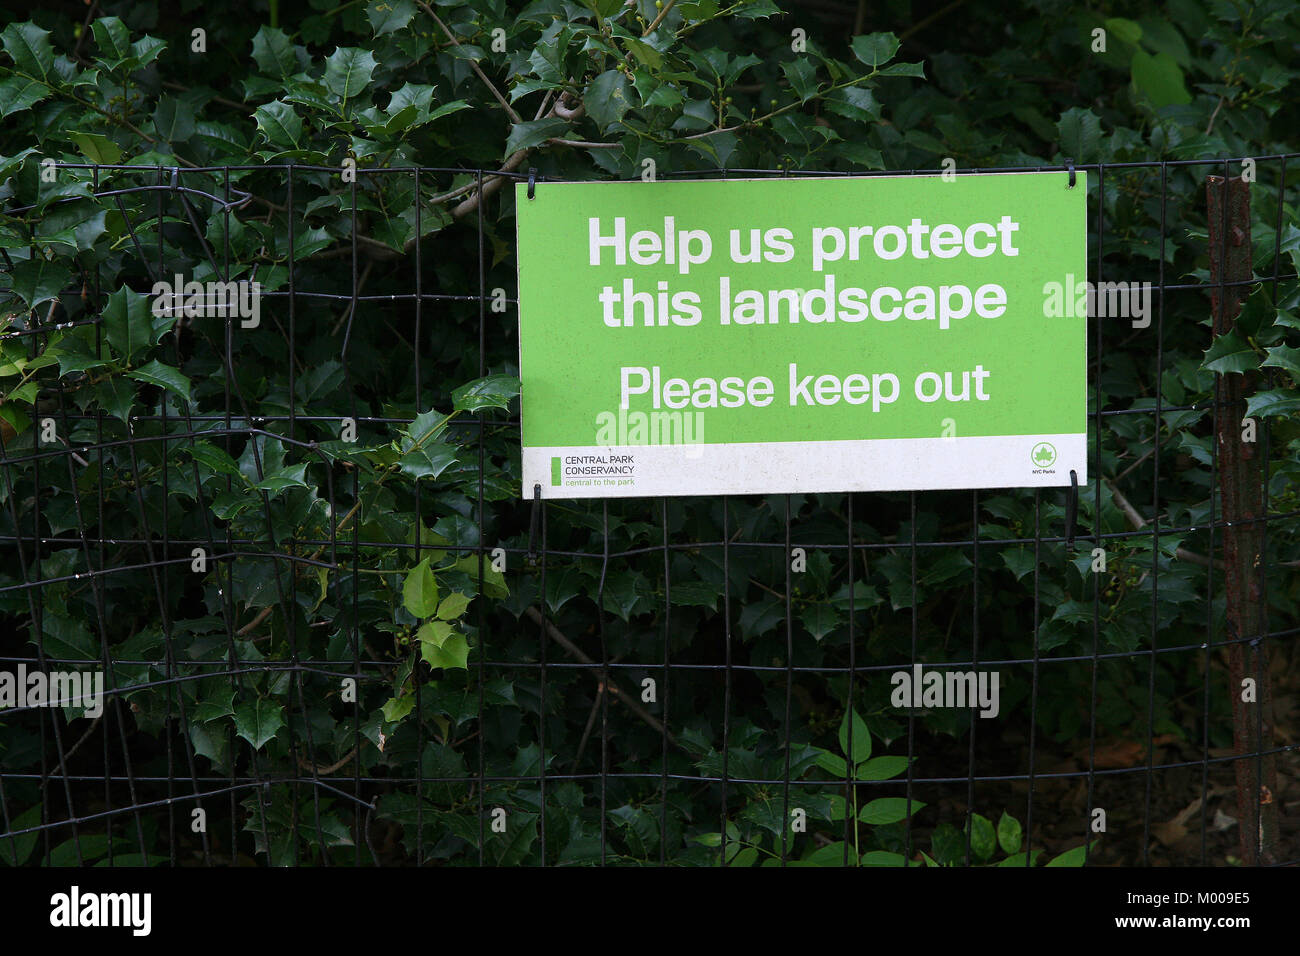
1043 454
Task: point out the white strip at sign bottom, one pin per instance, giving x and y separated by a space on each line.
881 464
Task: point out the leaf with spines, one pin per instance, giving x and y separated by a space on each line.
1283 356
1230 353
348 71
257 721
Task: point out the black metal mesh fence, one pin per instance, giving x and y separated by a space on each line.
213 630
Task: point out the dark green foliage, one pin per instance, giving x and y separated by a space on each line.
395 577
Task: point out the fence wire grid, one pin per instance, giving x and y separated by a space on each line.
120 499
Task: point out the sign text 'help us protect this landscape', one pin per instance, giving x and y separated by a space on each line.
802 335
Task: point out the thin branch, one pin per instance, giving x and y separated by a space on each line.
558 636
1138 522
326 771
654 24
481 75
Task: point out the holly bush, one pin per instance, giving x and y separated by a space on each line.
297 547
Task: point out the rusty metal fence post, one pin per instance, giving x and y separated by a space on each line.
1241 493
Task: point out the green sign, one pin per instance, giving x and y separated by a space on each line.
799 335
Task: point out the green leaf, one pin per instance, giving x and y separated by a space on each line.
453 606
146 49
881 768
164 376
96 148
428 461
887 810
820 620
1125 30
833 764
493 391
875 49
1278 401
220 704
1073 857
454 653
398 707
278 122
832 854
126 323
643 52
1159 78
423 429
16 417
39 280
1080 133
257 721
173 120
419 95
861 737
1230 353
116 397
420 590
1160 36
434 633
113 38
802 74
291 477
904 69
231 504
882 858
14 851
1009 833
29 47
1283 356
273 52
216 459
607 98
18 93
854 103
983 840
348 71
389 16
534 133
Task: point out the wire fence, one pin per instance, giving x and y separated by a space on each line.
227 690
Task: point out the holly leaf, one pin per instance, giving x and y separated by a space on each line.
127 323
533 133
607 98
348 71
420 591
1283 356
454 653
494 391
164 376
875 49
1278 401
257 721
1230 353
389 16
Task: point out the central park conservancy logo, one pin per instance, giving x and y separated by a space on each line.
1044 454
